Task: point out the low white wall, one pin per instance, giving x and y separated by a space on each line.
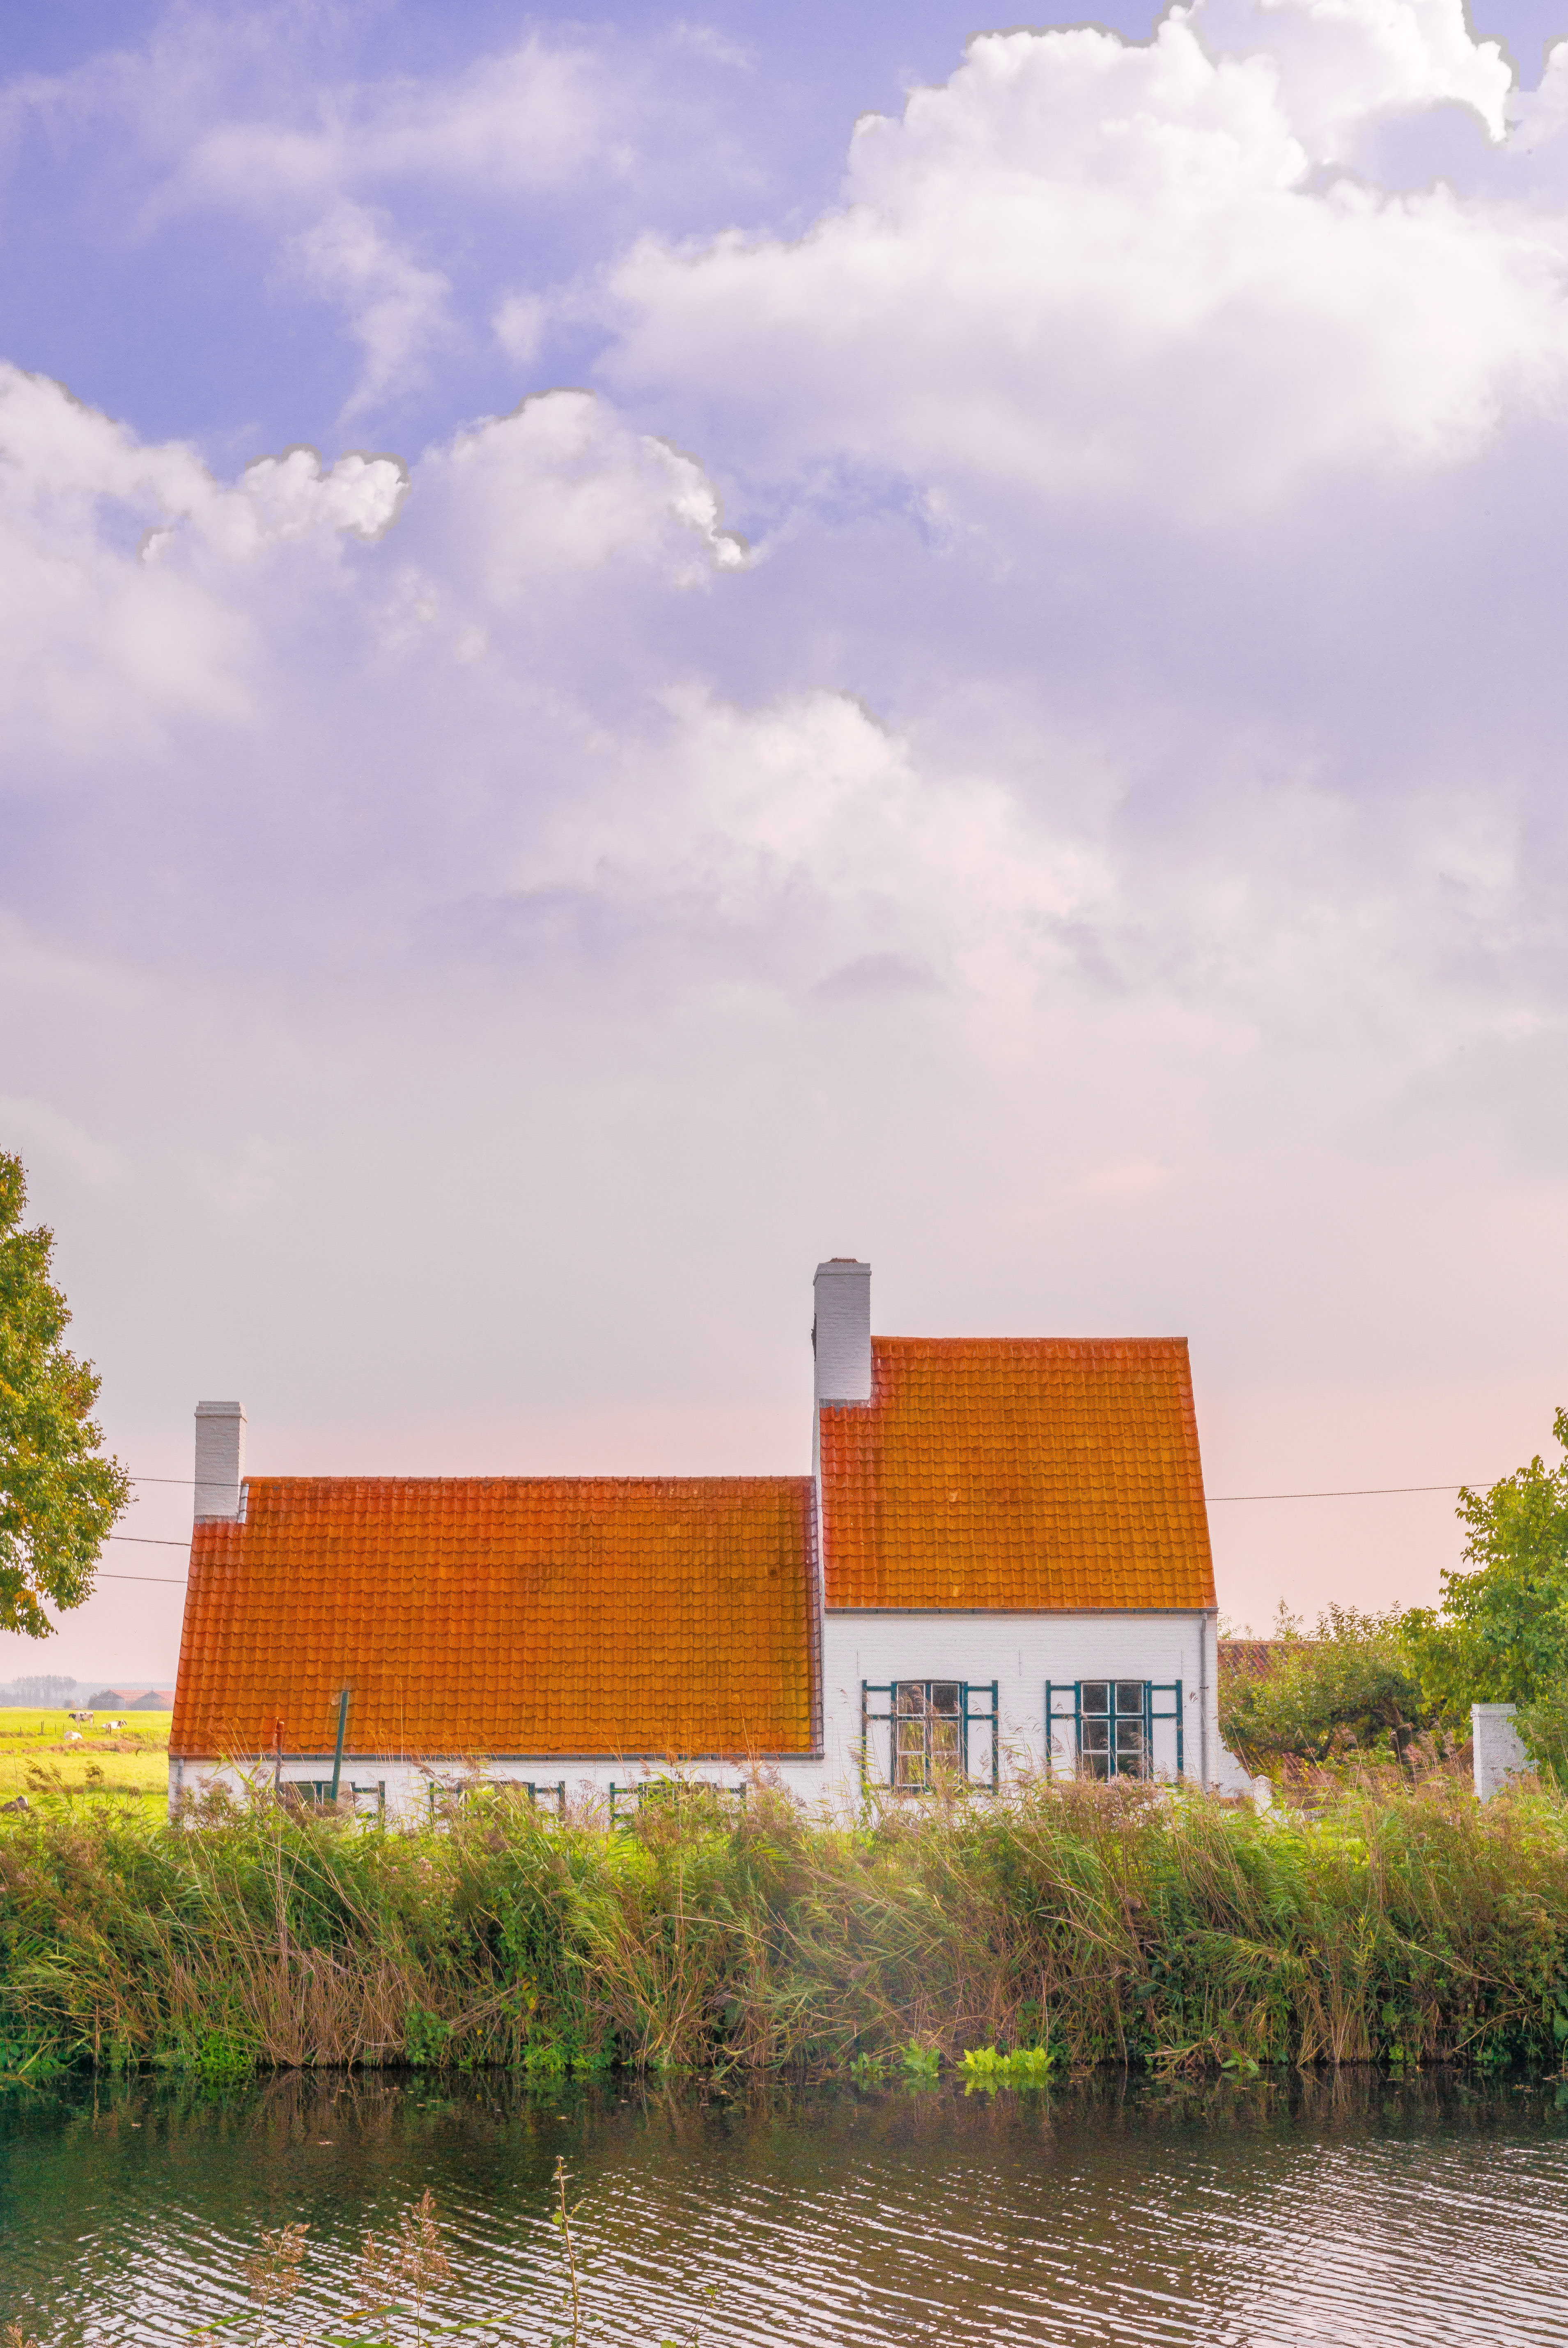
1021 1652
1496 1752
405 1787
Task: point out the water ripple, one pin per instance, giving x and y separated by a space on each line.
1356 2215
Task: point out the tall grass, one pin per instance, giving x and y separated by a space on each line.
1120 1923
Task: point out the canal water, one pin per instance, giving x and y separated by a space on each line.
1355 2210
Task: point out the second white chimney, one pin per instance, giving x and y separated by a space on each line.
841 1333
220 1458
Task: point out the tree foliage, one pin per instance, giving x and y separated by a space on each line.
58 1496
1542 1725
1347 1684
1501 1635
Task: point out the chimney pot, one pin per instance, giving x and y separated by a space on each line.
220 1459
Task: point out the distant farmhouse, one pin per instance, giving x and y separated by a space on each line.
999 1564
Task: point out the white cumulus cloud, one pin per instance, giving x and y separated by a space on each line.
1095 268
395 308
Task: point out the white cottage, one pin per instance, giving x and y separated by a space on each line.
1000 1563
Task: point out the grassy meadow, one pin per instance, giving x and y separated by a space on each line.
1061 1926
43 1752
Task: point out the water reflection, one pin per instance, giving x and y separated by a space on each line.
1341 2210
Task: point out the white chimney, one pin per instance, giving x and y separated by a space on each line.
220 1458
841 1333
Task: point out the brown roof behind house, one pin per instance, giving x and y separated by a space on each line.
543 1615
1254 1659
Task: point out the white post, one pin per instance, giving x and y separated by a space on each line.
220 1458
1498 1753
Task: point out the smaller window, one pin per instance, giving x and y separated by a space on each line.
627 1801
318 1792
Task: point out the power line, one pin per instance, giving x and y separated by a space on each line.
1215 1499
167 1580
146 1540
1355 1492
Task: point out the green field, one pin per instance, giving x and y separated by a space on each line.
35 1756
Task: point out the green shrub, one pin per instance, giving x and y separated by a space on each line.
1025 2066
1542 1725
1350 1684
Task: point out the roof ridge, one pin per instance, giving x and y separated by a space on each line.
1034 1344
784 1476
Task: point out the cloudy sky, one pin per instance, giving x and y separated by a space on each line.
641 646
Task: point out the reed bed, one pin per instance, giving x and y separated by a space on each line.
1391 1923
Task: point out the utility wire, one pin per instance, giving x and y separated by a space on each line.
1351 1492
1355 1492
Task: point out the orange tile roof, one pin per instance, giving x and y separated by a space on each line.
552 1616
1017 1473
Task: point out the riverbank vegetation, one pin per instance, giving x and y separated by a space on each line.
1072 1924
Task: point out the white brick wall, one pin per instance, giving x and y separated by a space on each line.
1021 1652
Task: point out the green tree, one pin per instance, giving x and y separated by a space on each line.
58 1496
1348 1685
1501 1635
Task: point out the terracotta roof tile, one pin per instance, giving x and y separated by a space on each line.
549 1615
1022 1473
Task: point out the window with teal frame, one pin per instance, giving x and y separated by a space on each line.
1110 1727
625 1801
914 1732
466 1790
319 1790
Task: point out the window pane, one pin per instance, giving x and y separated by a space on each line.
910 1696
1129 1697
1096 1695
945 1698
910 1753
1096 1736
1128 1736
1098 1764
